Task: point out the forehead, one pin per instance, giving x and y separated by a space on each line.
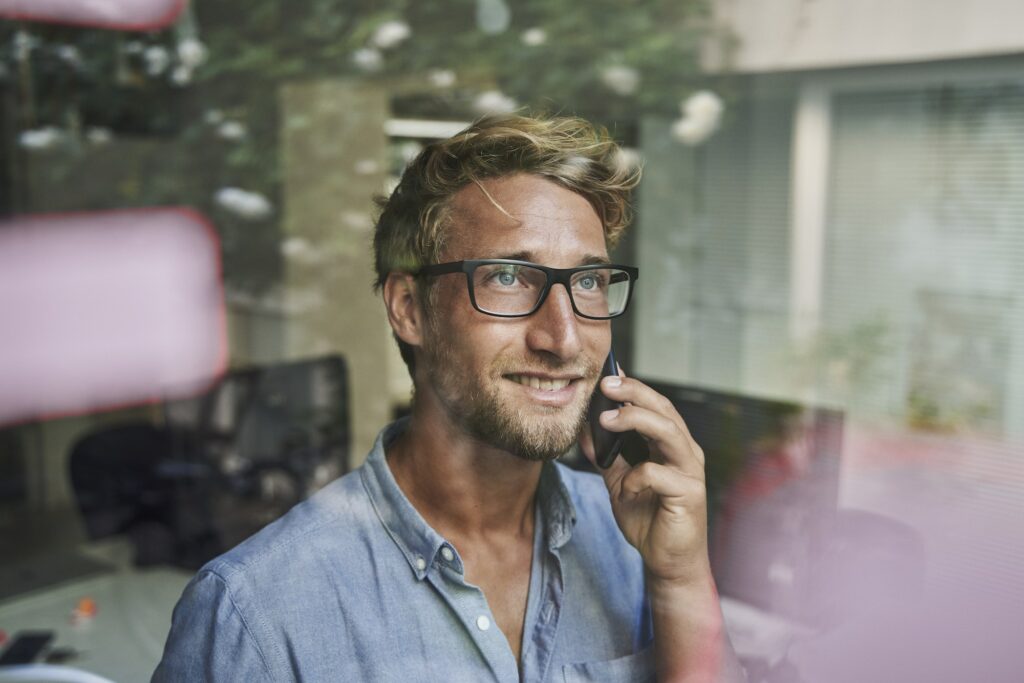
526 216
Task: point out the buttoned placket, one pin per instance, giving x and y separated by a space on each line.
544 607
446 574
436 561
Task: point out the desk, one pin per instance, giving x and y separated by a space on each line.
125 639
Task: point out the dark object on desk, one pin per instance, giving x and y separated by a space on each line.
221 466
26 647
62 655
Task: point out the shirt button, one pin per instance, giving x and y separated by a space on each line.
447 554
421 564
482 622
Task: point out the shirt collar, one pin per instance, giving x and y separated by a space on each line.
418 542
557 510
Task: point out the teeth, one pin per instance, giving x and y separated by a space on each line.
537 383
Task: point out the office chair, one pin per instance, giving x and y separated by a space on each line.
220 466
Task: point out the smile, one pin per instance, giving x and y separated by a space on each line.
545 384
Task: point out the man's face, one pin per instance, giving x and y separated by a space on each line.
519 384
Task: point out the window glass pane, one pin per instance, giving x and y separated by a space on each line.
829 229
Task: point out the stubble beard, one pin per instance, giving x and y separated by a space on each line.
478 408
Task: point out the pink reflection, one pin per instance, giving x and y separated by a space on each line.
917 575
107 309
134 15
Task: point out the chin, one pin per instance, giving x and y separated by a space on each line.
534 435
527 423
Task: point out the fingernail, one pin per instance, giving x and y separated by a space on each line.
612 381
611 414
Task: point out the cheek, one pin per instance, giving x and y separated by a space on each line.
467 336
597 337
445 307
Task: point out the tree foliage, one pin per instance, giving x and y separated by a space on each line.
612 61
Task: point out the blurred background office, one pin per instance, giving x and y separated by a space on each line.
830 232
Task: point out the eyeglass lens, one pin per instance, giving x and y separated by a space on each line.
509 289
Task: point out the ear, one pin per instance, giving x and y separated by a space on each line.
403 307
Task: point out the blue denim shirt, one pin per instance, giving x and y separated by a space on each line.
354 585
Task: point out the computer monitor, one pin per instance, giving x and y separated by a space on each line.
772 470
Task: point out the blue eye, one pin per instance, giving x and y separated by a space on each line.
506 278
592 281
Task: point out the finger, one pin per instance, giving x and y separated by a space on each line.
663 434
666 482
627 390
633 391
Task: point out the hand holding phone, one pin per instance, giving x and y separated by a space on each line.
607 445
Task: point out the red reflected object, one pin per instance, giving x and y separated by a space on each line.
85 611
127 15
101 310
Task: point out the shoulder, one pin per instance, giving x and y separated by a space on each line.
236 608
330 518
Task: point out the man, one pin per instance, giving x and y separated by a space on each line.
460 551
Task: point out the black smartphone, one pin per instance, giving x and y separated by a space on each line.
607 445
26 647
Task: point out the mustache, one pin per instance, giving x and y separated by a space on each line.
584 367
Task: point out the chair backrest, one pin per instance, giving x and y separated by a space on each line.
264 412
295 406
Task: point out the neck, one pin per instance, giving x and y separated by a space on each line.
463 487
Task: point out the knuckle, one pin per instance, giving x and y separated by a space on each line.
650 470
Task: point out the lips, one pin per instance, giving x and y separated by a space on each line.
547 390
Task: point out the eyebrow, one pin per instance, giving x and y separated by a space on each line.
588 260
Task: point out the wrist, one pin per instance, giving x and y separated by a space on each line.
690 638
695 597
694 581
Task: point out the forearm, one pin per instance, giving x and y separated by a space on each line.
691 644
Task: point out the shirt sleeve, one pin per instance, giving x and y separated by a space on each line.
210 638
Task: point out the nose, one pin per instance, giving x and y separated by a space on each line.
554 328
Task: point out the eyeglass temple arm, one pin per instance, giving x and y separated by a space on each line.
619 277
441 268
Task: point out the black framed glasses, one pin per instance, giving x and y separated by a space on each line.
514 289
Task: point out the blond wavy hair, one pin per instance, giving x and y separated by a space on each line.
412 224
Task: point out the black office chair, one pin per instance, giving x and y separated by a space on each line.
221 465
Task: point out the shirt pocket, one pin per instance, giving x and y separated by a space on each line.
634 668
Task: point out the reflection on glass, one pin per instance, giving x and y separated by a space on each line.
831 218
